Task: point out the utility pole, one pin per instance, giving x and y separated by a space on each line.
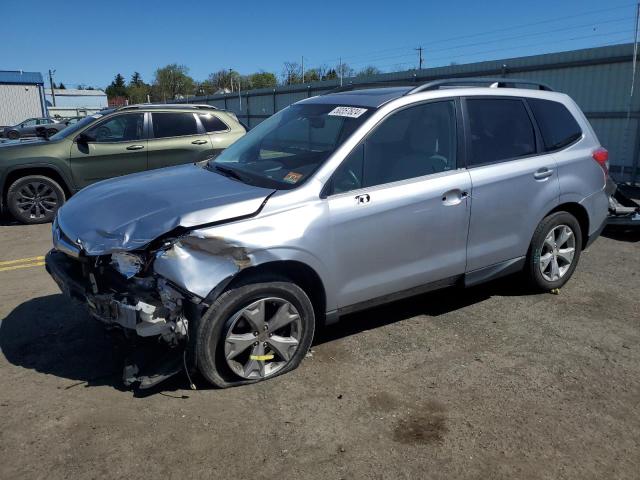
53 94
419 49
340 70
303 69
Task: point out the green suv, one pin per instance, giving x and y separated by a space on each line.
37 177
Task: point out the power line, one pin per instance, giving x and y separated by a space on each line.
621 34
472 35
502 39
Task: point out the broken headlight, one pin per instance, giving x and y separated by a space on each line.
127 264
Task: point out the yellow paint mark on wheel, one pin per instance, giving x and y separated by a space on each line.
22 260
261 358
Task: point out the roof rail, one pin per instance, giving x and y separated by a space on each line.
170 106
492 83
365 85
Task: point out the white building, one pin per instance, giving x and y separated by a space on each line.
72 102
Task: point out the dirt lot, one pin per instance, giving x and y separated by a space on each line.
491 382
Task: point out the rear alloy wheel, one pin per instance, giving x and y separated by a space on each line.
555 251
34 199
13 135
254 332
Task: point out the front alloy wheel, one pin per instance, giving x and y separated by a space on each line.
262 338
254 331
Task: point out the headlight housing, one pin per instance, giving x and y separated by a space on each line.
127 264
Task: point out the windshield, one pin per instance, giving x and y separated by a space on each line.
75 127
287 148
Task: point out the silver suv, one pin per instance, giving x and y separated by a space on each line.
335 204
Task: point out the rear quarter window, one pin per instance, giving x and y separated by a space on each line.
557 125
211 123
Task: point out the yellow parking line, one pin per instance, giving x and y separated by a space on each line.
16 267
22 260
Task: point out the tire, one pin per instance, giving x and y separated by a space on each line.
13 135
547 247
51 132
227 316
47 195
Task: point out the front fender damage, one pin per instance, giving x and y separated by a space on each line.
198 264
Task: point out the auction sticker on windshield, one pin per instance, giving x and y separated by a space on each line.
351 112
292 177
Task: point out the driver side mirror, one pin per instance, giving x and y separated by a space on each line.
85 138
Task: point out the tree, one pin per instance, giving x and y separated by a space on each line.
312 75
136 80
262 79
137 90
220 80
61 86
345 69
172 82
117 88
331 74
291 73
369 71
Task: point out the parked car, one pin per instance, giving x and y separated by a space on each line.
37 178
29 128
335 204
72 120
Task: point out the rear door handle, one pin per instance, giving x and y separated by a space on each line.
135 147
199 142
543 173
454 197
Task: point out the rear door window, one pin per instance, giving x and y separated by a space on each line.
211 123
500 129
557 126
174 124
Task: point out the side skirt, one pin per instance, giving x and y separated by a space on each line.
494 271
469 279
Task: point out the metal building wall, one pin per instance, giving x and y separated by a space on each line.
598 79
19 102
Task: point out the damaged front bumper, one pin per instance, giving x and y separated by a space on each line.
147 307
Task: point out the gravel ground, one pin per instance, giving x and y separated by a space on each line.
491 382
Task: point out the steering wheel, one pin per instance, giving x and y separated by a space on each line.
347 182
438 160
102 132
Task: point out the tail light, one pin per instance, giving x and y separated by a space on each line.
601 155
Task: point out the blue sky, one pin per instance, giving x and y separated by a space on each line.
89 44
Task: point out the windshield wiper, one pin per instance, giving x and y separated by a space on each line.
229 172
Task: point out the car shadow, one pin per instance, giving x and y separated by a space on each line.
432 304
55 336
622 235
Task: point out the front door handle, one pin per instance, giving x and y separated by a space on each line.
199 142
543 173
135 147
364 198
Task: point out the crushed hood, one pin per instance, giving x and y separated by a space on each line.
129 212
